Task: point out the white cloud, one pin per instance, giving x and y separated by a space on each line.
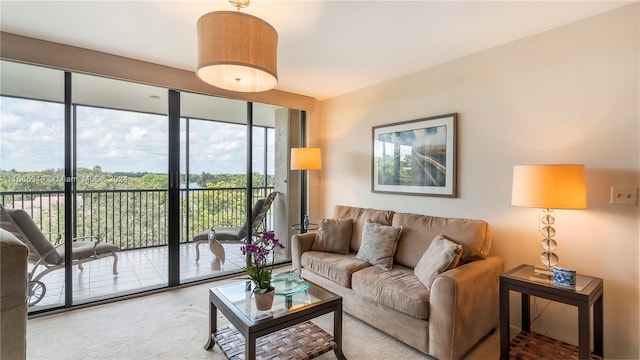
31 134
9 120
32 138
135 133
37 126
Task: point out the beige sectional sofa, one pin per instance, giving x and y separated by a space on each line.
13 297
444 320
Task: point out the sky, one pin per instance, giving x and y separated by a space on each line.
32 139
436 135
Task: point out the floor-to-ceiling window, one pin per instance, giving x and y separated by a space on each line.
117 138
120 164
264 160
32 126
214 178
214 172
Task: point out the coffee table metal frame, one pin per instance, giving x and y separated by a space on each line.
252 329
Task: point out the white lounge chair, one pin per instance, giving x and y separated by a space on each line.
48 255
218 235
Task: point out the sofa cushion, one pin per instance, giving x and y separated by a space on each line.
335 267
419 230
359 216
382 217
333 235
85 249
442 255
379 244
397 288
346 212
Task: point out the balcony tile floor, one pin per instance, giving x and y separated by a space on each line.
138 270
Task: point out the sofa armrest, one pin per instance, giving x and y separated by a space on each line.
13 296
464 307
299 244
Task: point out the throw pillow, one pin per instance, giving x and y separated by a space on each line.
379 244
442 255
333 236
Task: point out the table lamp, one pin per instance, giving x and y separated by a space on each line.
549 187
305 159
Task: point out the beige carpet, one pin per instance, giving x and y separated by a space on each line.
174 324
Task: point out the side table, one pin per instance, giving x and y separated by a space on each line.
588 292
300 227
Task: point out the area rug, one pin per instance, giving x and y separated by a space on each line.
174 325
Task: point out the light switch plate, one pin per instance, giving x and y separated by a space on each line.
624 195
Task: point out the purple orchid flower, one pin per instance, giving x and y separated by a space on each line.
260 252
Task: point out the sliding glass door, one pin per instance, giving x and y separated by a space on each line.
120 169
213 192
215 178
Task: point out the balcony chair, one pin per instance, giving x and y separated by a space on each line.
218 235
51 256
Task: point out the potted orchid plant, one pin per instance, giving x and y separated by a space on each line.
260 265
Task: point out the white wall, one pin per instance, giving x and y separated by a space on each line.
570 95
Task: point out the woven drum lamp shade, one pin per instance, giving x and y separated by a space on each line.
549 186
306 159
237 52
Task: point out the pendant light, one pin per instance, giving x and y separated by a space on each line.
237 51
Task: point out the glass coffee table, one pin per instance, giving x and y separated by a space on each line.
285 331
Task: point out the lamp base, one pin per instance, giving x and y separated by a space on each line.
543 272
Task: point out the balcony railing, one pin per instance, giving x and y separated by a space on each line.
135 219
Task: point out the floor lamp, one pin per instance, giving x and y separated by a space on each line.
305 159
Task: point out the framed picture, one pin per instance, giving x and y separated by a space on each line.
416 157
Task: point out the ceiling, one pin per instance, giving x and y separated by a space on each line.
326 48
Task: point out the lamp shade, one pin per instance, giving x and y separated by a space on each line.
549 186
306 159
237 52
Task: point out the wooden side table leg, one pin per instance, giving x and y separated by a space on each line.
213 325
504 322
598 326
583 331
526 312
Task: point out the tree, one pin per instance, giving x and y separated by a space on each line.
153 181
133 218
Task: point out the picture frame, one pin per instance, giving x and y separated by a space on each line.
415 157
